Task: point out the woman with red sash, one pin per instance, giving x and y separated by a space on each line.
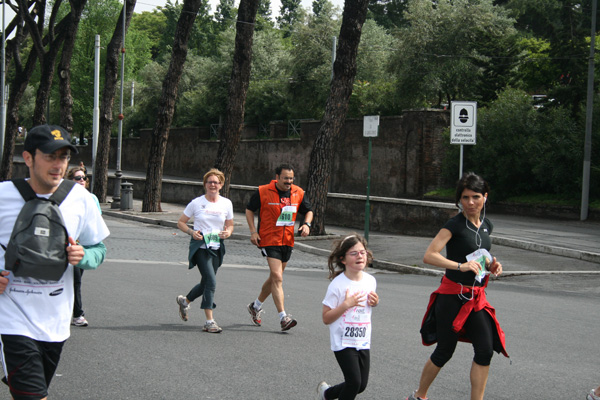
458 310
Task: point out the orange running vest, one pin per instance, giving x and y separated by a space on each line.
270 209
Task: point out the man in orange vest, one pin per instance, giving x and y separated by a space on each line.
278 203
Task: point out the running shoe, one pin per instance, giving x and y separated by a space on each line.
321 388
255 314
79 321
592 395
413 397
183 310
212 327
287 323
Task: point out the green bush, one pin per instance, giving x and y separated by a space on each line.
523 151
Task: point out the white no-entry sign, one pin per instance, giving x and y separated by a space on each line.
463 129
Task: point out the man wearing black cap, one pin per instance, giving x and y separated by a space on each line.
35 314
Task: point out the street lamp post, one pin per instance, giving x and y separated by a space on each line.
118 173
2 87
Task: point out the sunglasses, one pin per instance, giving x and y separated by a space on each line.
80 178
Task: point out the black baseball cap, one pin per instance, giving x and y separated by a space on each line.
48 138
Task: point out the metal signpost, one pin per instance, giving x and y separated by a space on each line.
463 128
370 130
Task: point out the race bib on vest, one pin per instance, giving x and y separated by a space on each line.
286 218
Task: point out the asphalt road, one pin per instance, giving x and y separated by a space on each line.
137 347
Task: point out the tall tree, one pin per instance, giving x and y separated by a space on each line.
446 53
263 17
99 18
388 13
224 14
64 69
311 64
238 88
152 24
22 75
115 46
320 6
344 71
54 39
289 13
166 107
30 22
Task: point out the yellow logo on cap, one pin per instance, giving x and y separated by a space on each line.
57 135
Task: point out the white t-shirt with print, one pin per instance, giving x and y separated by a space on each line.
41 309
353 328
209 218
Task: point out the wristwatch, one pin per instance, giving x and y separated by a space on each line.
307 223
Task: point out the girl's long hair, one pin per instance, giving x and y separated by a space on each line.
339 250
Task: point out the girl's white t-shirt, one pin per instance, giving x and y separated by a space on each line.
353 328
209 218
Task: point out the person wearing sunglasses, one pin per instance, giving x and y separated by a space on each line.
213 223
78 175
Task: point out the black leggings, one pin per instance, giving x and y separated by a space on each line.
355 367
479 328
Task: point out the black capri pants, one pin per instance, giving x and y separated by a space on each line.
479 329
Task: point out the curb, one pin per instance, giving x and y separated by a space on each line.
402 268
542 248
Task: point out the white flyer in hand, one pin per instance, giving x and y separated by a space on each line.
480 256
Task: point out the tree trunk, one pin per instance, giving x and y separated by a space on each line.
106 104
238 88
166 107
47 59
64 69
19 83
344 70
17 89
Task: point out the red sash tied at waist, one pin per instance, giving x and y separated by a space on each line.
479 302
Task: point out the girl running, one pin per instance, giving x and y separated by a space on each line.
347 311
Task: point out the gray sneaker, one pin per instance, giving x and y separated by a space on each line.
255 315
321 388
79 321
413 397
592 395
183 310
212 327
287 323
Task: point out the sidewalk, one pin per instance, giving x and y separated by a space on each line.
564 239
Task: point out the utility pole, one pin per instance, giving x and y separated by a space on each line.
96 117
587 148
2 86
118 173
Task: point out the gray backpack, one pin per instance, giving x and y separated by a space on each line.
39 239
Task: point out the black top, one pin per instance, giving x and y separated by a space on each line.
465 240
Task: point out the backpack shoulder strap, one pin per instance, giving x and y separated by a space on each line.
63 190
24 188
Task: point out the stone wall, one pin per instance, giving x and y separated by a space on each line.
406 156
402 216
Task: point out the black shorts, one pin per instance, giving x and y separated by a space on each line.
30 365
283 253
